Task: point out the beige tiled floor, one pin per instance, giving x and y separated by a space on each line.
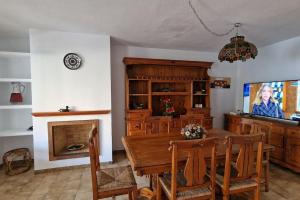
75 184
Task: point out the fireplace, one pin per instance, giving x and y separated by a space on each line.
69 139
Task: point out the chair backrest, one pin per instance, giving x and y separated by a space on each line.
245 126
250 126
94 157
263 127
250 152
191 119
194 152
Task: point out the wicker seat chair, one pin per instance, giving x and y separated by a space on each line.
193 182
246 178
109 182
260 127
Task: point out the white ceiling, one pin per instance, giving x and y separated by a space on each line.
156 23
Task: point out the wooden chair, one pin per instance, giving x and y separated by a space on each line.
109 182
247 178
245 127
250 126
193 182
191 119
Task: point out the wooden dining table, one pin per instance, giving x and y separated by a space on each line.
149 154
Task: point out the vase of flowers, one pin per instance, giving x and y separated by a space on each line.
167 106
193 131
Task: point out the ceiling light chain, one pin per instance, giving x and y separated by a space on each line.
206 27
237 49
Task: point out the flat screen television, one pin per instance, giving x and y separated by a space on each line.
275 99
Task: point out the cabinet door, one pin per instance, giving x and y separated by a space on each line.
292 154
293 151
277 139
152 127
175 126
277 153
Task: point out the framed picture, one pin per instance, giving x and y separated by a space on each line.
220 82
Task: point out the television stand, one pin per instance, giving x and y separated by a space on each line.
285 137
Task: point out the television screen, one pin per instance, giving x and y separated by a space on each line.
277 99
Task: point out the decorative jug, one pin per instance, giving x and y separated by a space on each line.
17 91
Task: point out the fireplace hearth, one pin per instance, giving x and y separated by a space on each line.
69 139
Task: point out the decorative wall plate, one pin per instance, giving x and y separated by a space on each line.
72 61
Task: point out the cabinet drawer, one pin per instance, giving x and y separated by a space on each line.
137 115
236 120
205 112
277 129
277 153
136 133
295 133
276 139
135 125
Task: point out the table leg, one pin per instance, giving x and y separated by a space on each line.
151 181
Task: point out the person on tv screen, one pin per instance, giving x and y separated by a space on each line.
265 104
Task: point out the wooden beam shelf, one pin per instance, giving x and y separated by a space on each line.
138 94
51 114
170 93
160 62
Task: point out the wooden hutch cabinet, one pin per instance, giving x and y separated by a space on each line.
151 82
284 137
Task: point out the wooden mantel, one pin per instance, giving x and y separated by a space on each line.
51 114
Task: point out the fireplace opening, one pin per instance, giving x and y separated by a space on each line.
69 139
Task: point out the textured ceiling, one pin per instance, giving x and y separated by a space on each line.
156 23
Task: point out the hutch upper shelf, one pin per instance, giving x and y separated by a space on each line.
153 83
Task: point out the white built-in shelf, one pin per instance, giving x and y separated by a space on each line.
24 80
13 54
12 132
15 107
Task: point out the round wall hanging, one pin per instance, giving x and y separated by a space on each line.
72 61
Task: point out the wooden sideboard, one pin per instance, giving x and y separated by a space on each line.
149 81
284 137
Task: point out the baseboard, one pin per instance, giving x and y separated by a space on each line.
56 169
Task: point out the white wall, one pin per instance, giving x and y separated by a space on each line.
18 44
54 86
222 100
280 61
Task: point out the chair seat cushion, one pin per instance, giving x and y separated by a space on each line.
115 178
165 182
236 184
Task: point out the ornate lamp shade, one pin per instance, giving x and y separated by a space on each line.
237 49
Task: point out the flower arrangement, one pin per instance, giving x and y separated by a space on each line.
193 131
167 106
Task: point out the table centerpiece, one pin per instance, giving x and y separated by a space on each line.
193 131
